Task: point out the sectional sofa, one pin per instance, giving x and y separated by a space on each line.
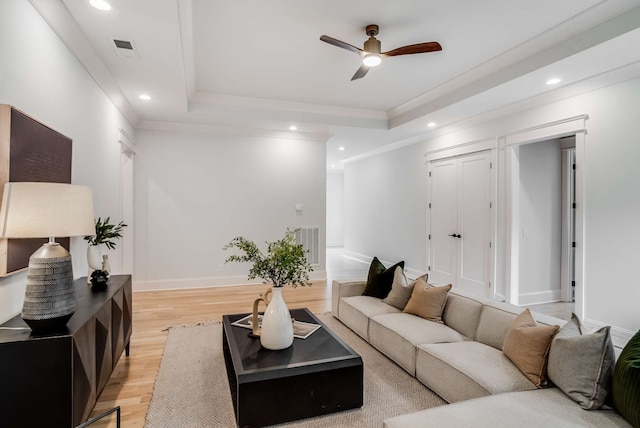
461 359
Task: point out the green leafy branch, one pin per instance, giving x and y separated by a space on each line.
285 262
106 233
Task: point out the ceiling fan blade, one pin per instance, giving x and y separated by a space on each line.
414 49
361 72
340 44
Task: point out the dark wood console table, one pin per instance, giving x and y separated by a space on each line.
54 380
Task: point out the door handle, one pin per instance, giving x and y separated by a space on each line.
455 236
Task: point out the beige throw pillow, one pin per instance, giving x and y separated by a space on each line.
426 301
527 346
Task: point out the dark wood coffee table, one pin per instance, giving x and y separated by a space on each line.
315 376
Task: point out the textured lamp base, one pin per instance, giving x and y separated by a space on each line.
49 299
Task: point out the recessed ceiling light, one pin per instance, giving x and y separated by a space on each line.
333 165
293 128
145 97
553 81
100 4
341 148
431 124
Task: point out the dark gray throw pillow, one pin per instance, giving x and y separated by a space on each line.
379 282
581 365
401 289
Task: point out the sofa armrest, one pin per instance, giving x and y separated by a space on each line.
344 289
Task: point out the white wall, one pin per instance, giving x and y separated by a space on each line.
196 192
540 222
335 209
39 76
611 198
385 207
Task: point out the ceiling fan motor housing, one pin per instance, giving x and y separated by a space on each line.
372 45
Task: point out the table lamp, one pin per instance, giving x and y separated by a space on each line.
47 210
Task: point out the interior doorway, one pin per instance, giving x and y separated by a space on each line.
543 202
544 232
510 145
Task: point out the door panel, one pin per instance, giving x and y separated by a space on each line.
474 212
443 221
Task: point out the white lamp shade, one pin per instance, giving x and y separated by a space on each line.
44 210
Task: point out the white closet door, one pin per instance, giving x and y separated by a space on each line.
460 222
474 223
444 205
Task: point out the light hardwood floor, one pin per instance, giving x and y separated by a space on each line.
131 384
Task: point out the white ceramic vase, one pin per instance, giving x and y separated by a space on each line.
94 260
277 328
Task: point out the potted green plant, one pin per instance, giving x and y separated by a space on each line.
284 263
106 234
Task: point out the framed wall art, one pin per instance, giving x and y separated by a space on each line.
29 151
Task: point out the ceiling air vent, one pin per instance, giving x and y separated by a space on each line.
125 48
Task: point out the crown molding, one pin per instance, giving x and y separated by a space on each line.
201 128
552 46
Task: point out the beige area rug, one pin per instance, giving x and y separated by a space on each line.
192 390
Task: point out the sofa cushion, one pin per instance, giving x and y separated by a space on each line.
401 289
462 313
496 319
396 335
380 279
427 302
541 408
356 311
581 365
527 346
626 382
495 322
466 370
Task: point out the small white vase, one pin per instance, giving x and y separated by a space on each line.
94 260
277 328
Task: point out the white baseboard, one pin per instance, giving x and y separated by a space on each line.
540 297
619 336
410 272
500 297
357 256
217 281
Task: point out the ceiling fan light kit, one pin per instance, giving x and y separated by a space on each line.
372 54
371 60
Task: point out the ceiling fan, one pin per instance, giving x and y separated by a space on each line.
371 55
